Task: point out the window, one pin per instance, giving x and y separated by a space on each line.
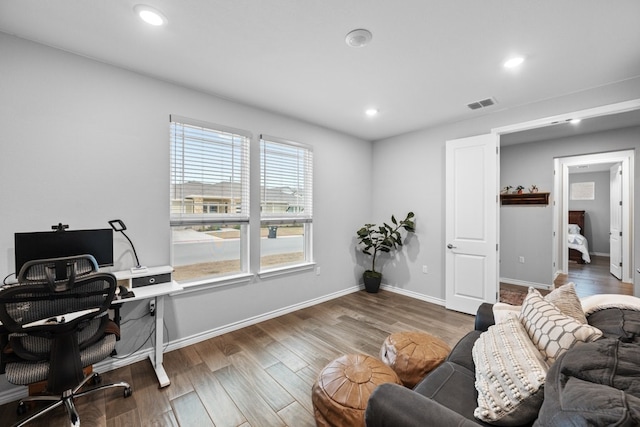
209 199
286 195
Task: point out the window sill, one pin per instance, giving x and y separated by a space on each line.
279 271
215 282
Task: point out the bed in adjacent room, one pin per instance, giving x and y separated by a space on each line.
578 244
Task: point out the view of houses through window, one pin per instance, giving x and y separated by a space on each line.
209 195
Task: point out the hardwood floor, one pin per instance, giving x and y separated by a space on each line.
590 279
260 375
594 278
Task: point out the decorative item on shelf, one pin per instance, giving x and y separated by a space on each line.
533 188
519 189
381 238
506 189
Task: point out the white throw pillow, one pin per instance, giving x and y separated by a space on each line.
574 229
551 331
567 301
564 298
510 373
502 310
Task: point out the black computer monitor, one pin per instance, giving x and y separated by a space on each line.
55 244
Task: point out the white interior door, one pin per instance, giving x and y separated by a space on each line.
615 219
471 269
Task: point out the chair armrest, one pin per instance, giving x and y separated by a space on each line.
484 317
4 340
392 405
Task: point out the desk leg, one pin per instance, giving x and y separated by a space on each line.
156 357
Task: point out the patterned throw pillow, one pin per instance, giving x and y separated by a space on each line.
567 301
564 298
551 331
510 373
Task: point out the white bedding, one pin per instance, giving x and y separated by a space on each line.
580 243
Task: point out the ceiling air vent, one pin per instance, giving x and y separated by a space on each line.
482 103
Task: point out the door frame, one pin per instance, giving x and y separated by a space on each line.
620 107
561 209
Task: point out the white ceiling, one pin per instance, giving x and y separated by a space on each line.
426 62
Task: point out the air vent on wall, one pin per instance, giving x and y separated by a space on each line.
482 103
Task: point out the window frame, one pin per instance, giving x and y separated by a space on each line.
304 217
183 218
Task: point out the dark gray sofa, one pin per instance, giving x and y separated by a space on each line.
598 383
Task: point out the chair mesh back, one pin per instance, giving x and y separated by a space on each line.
58 272
22 305
52 319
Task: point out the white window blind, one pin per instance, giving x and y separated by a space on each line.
209 173
286 181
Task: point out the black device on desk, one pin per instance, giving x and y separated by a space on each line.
123 293
62 243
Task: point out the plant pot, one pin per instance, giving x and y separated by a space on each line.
372 281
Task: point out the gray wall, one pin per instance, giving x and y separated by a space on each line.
533 162
597 211
410 171
83 142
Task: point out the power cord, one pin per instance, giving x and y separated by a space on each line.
149 337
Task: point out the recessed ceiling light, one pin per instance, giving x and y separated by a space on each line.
575 121
513 62
150 15
358 38
371 112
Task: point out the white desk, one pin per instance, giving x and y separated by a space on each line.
158 292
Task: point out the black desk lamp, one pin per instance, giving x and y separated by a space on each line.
118 225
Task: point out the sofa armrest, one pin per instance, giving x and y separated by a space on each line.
484 317
392 405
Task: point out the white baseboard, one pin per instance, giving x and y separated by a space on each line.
525 283
18 392
415 295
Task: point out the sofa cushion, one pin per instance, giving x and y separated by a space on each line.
551 331
510 373
595 383
461 353
452 386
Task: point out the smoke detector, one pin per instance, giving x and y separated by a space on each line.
358 38
483 103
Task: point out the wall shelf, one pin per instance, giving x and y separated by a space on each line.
525 199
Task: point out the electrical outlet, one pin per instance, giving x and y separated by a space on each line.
317 271
425 269
152 307
521 260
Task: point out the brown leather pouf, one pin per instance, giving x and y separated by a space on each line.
412 355
343 388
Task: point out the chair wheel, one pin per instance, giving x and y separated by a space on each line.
22 408
97 379
128 392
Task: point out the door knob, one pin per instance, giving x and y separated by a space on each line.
450 246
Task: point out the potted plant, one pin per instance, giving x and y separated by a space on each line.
519 189
381 238
533 189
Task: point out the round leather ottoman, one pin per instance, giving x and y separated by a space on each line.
412 355
343 388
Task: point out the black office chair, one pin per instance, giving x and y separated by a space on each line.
58 324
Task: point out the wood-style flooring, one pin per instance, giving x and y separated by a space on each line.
590 279
260 375
594 278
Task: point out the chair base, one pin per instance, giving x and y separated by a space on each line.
67 399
